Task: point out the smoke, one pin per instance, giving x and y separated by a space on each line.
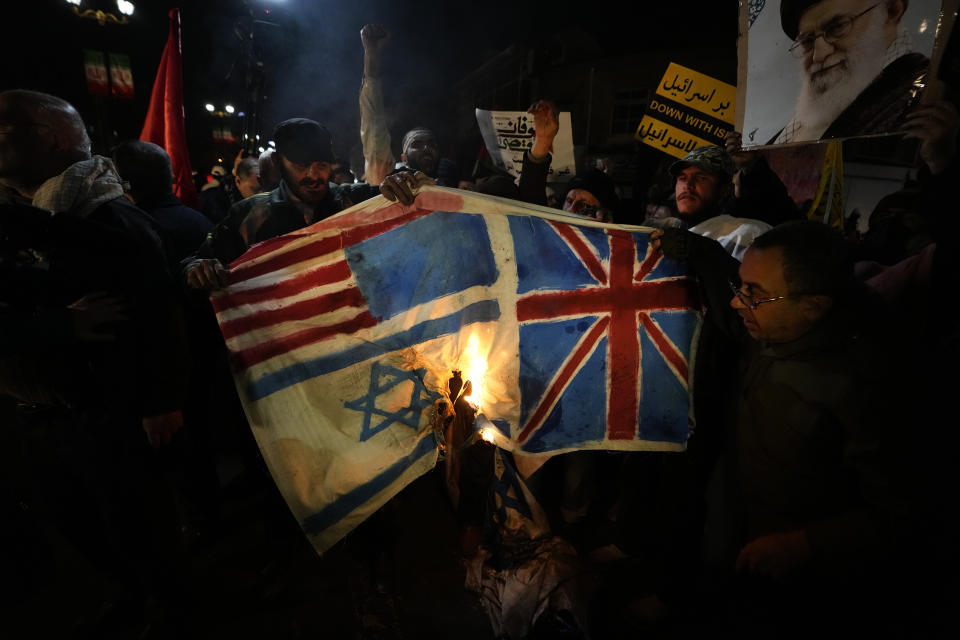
312 58
320 78
312 61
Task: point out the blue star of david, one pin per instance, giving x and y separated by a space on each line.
382 379
754 7
501 486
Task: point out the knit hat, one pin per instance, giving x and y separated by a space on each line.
599 184
303 141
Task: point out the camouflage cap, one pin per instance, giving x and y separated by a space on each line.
710 158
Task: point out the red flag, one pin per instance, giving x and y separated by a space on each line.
164 122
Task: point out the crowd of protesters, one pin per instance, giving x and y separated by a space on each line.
814 493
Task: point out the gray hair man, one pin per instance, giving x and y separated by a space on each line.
859 73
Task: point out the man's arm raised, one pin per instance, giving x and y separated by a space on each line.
374 133
536 162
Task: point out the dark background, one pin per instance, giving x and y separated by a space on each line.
311 55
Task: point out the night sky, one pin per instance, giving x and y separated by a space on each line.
312 56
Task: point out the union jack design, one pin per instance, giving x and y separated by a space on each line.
628 295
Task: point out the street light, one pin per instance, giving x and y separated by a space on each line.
222 112
124 8
222 128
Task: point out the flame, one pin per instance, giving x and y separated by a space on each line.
474 371
489 435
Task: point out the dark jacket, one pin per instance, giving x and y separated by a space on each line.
184 228
215 202
813 426
533 179
815 436
763 196
882 106
275 213
116 249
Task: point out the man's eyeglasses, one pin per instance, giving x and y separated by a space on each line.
831 32
748 300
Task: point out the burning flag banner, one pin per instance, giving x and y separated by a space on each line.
344 335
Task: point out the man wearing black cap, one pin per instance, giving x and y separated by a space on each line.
304 159
859 74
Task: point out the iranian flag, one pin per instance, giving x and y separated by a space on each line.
121 78
95 67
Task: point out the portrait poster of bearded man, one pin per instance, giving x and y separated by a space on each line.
833 69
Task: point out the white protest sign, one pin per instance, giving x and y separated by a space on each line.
508 134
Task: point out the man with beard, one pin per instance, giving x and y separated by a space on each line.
859 74
420 152
419 149
710 204
304 158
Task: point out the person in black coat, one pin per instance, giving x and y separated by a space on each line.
147 177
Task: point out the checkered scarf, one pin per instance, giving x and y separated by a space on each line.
83 187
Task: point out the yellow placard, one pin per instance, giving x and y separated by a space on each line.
668 138
699 92
693 122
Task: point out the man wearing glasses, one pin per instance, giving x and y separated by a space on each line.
859 74
817 500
